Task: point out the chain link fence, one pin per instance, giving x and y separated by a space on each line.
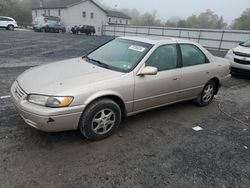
212 39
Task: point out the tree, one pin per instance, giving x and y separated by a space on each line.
148 19
243 22
207 20
20 10
134 14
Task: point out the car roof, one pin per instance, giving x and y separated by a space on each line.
6 17
156 39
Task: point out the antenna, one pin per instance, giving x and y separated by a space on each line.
115 3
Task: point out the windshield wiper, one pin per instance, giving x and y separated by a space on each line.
98 62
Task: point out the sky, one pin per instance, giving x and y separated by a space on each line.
229 9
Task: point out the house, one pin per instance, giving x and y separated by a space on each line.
79 12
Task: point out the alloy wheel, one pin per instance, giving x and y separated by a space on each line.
103 121
208 93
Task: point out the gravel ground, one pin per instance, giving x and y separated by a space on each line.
158 148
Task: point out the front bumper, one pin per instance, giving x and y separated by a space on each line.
44 118
240 71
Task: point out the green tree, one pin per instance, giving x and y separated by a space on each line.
134 14
20 10
207 20
243 22
149 19
182 24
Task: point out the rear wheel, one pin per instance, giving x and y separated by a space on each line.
10 27
100 119
207 94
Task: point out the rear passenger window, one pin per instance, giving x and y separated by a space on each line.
191 55
163 58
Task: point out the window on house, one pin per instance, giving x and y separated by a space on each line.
109 19
84 14
59 12
49 12
92 15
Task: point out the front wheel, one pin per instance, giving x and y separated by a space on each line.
207 94
100 119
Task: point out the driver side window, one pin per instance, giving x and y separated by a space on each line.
163 58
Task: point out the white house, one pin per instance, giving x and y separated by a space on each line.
79 12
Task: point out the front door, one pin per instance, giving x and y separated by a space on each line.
157 90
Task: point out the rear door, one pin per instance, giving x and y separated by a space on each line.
1 22
4 22
195 71
163 88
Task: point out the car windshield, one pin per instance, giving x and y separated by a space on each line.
246 44
119 54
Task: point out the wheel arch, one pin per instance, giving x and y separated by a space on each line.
108 95
217 82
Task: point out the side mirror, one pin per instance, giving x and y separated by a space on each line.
148 71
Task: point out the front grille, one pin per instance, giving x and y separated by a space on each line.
241 54
18 91
240 61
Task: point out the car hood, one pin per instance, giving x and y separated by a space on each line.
60 77
242 49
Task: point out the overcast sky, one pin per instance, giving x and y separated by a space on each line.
229 9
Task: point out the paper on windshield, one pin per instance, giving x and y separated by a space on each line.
137 48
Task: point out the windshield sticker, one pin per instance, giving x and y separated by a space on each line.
137 48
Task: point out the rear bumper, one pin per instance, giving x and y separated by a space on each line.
47 119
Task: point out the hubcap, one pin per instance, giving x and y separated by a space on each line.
103 121
208 93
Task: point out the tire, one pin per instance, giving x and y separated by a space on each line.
207 94
100 119
11 27
60 31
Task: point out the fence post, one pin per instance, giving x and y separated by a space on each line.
148 30
114 30
199 36
124 30
180 33
163 31
221 40
136 30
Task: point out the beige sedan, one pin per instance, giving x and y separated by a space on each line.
126 76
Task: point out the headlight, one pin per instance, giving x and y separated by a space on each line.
50 101
230 53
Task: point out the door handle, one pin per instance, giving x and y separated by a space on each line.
175 78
